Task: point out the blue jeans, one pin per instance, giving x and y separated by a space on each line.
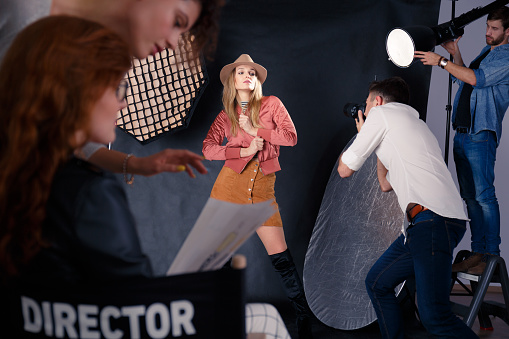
427 255
474 156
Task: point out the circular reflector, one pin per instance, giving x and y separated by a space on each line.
400 47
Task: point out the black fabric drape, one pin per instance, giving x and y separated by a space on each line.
319 56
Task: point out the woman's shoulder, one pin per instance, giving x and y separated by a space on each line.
82 168
77 175
221 115
270 99
272 102
221 118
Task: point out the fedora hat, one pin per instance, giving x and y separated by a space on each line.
244 59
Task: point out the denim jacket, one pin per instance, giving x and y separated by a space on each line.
490 97
278 130
90 231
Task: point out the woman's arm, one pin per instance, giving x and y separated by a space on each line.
213 148
285 133
255 146
168 160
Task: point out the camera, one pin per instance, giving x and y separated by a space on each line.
351 110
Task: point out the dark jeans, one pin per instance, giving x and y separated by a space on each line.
474 156
427 255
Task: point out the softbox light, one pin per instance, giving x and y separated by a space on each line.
163 92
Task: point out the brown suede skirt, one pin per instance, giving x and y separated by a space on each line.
248 187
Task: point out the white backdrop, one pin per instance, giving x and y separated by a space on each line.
470 45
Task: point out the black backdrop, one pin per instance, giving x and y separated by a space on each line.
319 55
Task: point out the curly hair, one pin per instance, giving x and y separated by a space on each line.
52 75
203 34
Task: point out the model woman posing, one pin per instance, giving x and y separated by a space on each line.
255 127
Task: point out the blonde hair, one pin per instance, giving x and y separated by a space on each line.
230 103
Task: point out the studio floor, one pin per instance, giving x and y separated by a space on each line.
413 328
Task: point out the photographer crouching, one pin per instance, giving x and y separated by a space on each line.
409 161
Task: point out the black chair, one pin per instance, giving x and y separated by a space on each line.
198 305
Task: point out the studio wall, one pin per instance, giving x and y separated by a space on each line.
319 56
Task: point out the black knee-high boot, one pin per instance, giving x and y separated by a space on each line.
284 265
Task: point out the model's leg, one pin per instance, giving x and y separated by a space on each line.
392 268
273 239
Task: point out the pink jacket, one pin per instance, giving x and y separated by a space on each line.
278 130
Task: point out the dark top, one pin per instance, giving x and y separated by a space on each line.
90 231
463 117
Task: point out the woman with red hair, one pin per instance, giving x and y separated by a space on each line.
64 220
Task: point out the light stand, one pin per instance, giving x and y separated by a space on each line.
448 107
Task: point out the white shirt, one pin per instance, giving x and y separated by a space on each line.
90 148
410 152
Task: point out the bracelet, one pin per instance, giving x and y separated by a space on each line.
124 170
443 62
439 61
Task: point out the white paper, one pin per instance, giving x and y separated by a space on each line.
220 230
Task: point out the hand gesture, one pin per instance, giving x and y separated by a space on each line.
359 122
452 46
168 160
428 58
256 145
245 124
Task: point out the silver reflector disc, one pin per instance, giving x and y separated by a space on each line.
400 47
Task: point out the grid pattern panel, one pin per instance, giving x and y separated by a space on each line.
163 92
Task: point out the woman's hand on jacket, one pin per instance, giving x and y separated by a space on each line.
255 146
245 124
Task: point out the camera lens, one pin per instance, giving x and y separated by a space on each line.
351 109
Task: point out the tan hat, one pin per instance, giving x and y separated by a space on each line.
244 59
